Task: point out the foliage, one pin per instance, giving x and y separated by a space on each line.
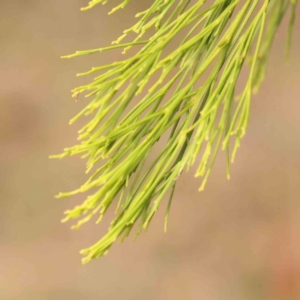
187 99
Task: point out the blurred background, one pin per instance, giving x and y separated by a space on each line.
238 239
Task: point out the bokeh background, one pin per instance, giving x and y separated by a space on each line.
238 239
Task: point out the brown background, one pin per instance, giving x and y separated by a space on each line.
237 240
